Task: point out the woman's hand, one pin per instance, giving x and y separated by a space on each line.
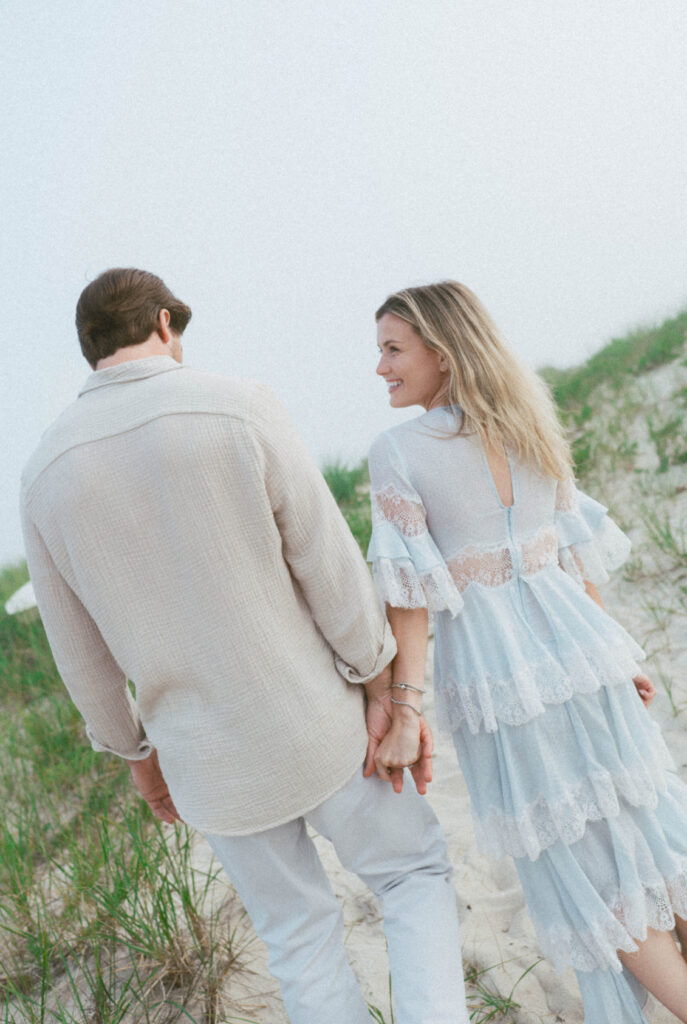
645 688
399 749
407 744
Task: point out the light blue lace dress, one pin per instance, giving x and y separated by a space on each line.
567 772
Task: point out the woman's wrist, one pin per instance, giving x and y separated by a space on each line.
406 697
405 718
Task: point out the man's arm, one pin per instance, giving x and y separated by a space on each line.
320 549
94 680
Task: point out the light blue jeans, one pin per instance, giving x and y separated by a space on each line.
394 843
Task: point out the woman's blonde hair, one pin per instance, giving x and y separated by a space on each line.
502 399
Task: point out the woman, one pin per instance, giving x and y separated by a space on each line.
476 516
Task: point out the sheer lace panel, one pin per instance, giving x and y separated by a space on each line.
479 565
566 495
540 551
492 567
407 515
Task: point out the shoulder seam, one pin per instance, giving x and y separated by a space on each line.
26 487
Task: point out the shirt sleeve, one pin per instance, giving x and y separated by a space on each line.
94 680
590 544
408 567
320 549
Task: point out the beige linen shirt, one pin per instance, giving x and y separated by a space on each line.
179 535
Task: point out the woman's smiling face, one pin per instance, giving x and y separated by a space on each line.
414 374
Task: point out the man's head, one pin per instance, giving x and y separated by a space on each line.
123 307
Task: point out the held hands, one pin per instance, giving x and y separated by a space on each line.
149 781
645 688
397 741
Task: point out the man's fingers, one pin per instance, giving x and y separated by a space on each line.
426 764
417 771
165 810
392 775
174 812
369 768
162 813
426 739
422 771
425 768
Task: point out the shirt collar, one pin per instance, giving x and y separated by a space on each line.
134 369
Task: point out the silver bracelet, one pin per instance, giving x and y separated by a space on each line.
407 686
406 704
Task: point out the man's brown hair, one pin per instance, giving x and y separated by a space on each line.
121 308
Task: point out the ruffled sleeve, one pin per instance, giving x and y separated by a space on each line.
590 545
408 567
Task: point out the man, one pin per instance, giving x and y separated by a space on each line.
178 534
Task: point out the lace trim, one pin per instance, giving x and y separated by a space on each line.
406 514
522 695
654 906
593 798
593 560
400 585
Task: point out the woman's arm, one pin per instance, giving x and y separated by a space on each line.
409 626
643 685
409 740
593 593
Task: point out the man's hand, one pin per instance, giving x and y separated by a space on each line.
377 715
378 722
645 688
149 781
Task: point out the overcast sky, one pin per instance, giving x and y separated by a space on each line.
285 165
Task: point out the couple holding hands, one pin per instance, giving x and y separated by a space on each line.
179 534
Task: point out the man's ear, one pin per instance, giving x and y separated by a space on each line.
163 328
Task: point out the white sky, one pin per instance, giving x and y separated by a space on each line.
285 165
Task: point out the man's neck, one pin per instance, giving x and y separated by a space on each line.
152 346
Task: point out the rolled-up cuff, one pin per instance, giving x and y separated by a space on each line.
386 655
138 752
